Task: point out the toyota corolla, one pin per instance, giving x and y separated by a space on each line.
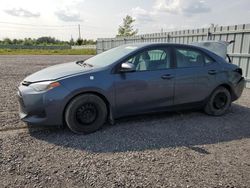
128 80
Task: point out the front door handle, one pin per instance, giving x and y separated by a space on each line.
212 72
167 77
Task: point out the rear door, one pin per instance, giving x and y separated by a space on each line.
195 75
150 87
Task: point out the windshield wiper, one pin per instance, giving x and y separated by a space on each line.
83 64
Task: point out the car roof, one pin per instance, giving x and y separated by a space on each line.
140 45
153 44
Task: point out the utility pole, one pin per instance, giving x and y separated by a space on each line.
79 28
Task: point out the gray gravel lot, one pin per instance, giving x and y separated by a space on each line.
180 149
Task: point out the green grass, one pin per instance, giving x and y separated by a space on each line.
47 52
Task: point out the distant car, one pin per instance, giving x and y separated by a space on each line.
128 80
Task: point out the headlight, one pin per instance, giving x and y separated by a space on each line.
44 86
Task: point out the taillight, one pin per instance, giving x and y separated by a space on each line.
238 70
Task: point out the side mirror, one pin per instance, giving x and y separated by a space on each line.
127 67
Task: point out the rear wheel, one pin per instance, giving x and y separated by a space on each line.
219 102
86 114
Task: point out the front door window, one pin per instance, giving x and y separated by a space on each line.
150 60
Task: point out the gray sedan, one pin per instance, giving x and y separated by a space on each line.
128 80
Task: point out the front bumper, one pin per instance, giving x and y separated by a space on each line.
42 108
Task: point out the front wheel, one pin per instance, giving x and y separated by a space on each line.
219 102
86 114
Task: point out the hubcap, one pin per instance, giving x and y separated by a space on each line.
220 101
86 114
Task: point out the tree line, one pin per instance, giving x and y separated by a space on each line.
46 41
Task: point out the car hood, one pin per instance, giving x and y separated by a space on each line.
57 71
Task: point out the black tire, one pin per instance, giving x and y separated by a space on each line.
86 114
219 102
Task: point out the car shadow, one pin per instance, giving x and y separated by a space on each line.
155 131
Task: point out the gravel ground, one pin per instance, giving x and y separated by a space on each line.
184 149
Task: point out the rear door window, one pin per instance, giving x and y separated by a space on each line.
189 58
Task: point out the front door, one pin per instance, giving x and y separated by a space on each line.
150 87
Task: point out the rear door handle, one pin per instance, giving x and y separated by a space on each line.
167 77
212 72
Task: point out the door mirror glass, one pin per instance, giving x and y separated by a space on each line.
127 67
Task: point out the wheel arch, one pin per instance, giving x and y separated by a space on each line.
229 88
103 97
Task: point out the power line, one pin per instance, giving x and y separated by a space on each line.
12 23
52 26
36 29
14 30
13 27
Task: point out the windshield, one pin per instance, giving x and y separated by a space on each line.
110 56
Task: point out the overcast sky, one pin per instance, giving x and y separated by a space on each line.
101 18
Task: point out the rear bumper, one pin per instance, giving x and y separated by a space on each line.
238 88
